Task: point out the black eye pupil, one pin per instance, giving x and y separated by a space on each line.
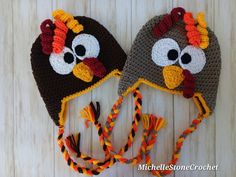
68 58
186 58
80 50
172 54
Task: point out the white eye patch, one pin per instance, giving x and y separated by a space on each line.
165 52
64 62
85 46
192 59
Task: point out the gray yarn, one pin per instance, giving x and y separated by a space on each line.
140 65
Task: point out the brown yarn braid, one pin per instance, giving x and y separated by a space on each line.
73 165
91 114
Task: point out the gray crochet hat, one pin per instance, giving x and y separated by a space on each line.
178 54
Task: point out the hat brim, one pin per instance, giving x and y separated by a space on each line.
197 97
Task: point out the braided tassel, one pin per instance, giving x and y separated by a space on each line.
139 156
73 143
179 144
145 121
87 113
91 114
157 123
137 116
73 165
152 125
143 146
118 157
112 117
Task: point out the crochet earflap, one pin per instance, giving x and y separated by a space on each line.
178 54
72 56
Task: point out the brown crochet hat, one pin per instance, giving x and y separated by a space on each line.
177 54
72 56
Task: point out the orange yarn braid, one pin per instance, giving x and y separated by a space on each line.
90 115
151 125
109 127
137 116
68 19
73 144
179 144
192 32
140 153
59 36
73 165
112 117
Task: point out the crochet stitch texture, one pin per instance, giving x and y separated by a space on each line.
54 87
139 64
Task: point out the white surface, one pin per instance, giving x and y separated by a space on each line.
28 136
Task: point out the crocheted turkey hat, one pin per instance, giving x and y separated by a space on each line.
72 56
177 54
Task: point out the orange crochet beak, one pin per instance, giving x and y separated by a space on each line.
88 68
173 76
83 72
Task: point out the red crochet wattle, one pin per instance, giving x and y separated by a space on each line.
168 21
189 84
96 66
46 36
